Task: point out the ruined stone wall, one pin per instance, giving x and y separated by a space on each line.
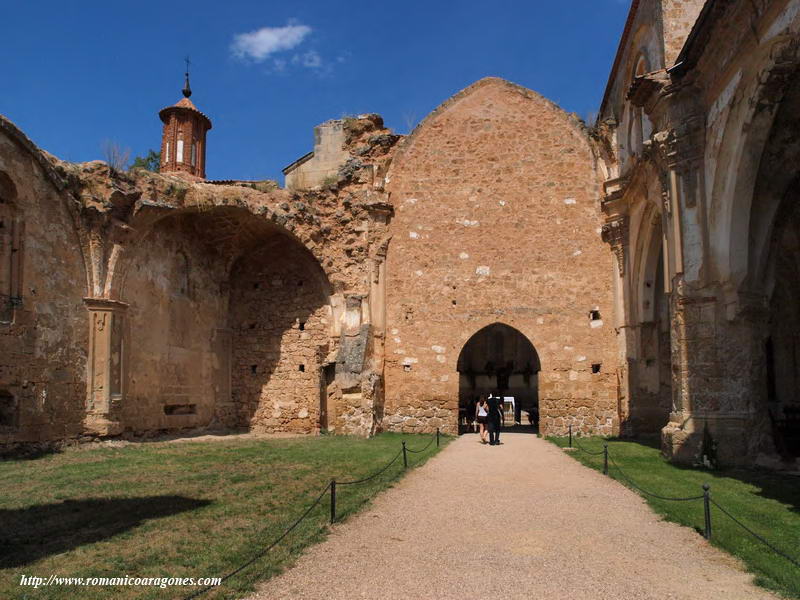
43 324
677 19
496 220
280 323
176 310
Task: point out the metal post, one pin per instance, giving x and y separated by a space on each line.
405 457
333 501
570 435
707 510
437 437
605 459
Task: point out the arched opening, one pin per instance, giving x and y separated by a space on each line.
782 346
773 255
11 240
499 360
652 401
279 319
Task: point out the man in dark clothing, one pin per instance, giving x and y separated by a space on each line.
494 419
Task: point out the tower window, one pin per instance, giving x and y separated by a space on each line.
194 154
302 368
179 153
596 368
166 153
594 315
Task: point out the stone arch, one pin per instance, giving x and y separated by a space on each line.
280 310
238 226
499 358
748 124
209 333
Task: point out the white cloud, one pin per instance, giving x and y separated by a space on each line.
312 60
260 44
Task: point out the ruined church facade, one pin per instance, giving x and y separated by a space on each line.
635 276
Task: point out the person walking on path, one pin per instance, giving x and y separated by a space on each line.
481 415
495 416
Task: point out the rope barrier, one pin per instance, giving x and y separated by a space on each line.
264 551
758 537
433 439
582 449
706 497
644 491
332 487
374 475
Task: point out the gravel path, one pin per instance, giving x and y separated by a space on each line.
520 520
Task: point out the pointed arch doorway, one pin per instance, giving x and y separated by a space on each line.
499 359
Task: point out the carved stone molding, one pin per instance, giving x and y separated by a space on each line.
615 233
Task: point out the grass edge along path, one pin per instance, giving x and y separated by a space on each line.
766 502
194 508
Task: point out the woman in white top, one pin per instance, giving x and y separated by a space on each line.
481 416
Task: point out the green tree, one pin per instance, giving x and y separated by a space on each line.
150 162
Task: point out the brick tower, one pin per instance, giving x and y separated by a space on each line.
183 141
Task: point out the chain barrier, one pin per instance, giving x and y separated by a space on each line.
330 487
758 537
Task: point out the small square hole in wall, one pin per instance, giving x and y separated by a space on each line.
594 315
454 302
300 283
302 325
302 368
406 368
254 369
256 286
252 325
596 368
8 409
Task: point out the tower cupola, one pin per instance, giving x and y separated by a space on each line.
183 141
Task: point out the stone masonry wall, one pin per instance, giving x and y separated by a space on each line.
496 220
43 330
175 310
280 320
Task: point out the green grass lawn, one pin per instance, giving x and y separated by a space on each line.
767 502
188 509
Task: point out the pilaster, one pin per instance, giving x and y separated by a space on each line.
105 366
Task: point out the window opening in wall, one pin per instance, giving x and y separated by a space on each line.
8 409
256 286
300 283
594 315
302 368
180 409
179 152
302 325
596 368
166 153
254 369
194 153
252 325
406 368
454 303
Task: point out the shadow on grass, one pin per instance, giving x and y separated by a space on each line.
29 534
775 485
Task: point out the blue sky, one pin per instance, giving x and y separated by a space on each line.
78 74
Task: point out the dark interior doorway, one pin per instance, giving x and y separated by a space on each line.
499 360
